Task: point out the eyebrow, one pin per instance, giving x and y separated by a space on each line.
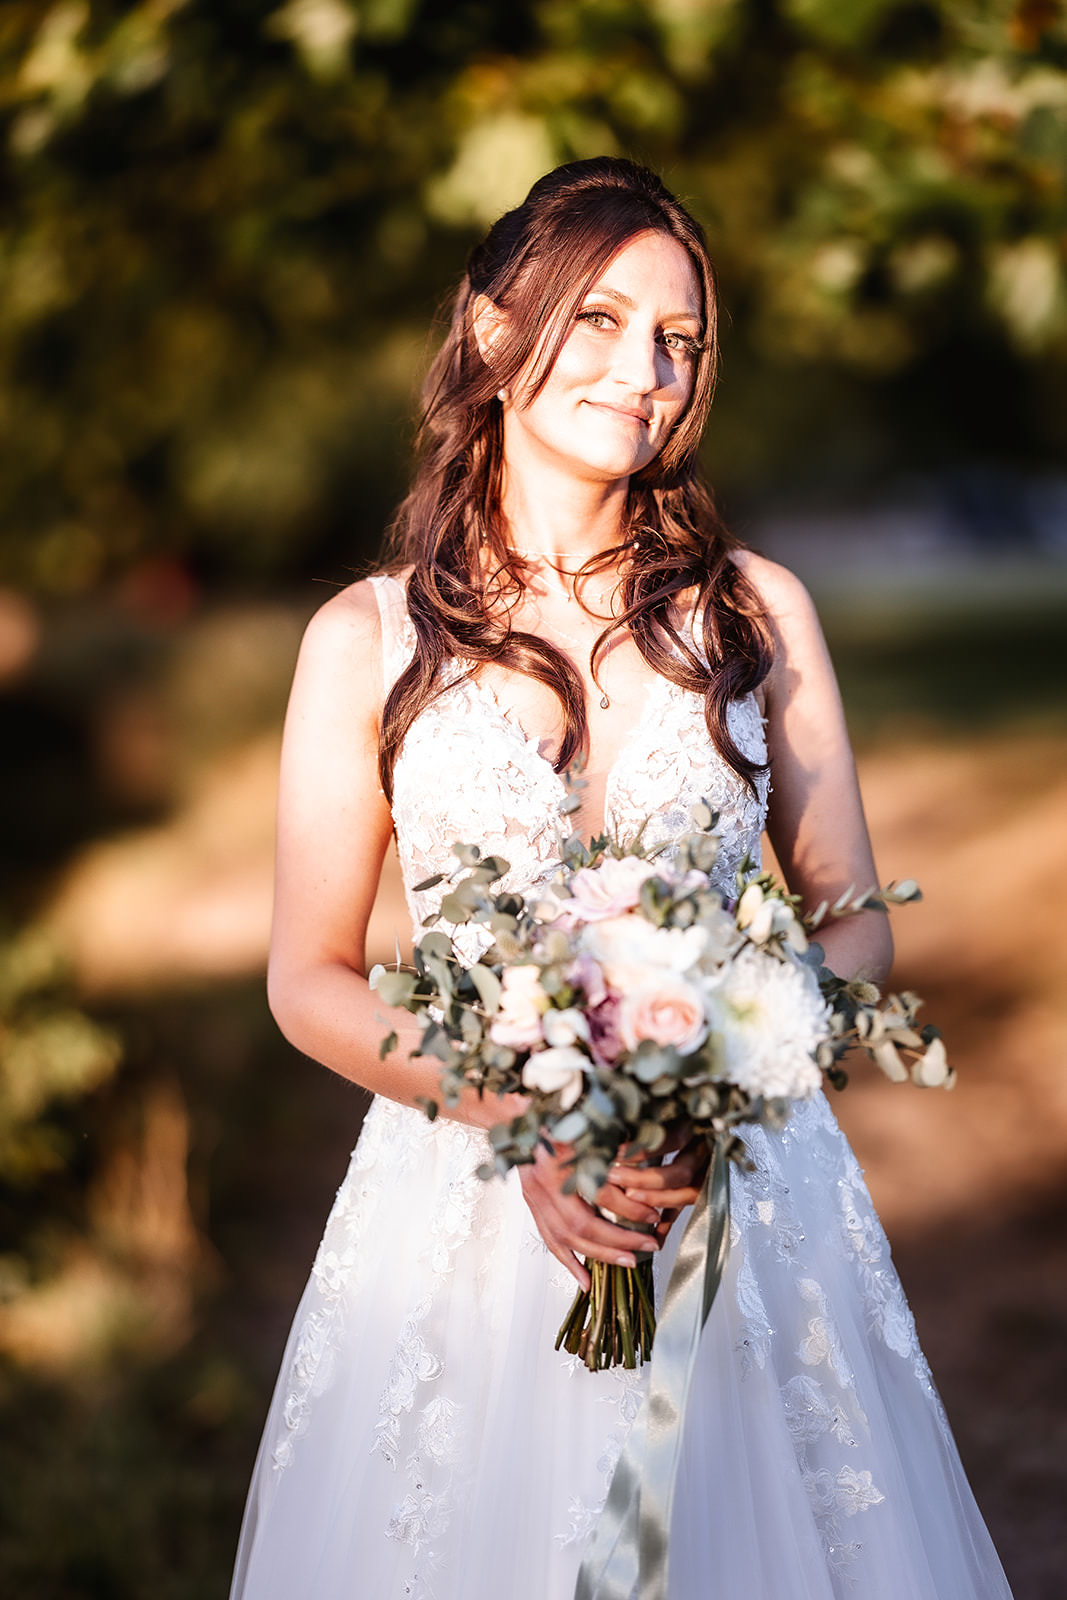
621 299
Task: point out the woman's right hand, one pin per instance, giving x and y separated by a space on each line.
571 1227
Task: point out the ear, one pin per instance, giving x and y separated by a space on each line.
488 322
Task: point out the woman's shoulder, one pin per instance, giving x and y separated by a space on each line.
777 588
364 629
350 621
358 615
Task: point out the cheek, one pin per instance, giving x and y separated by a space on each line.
680 394
582 360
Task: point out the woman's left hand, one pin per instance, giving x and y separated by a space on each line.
666 1187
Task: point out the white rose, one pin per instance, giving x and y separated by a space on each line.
564 1027
627 946
561 1070
517 1024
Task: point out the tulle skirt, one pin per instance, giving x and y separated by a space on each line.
426 1440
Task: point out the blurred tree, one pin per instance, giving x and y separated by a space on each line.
227 223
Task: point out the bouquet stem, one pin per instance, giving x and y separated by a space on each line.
613 1322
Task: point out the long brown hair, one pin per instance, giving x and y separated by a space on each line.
537 264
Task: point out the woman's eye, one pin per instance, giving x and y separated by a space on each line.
683 342
597 319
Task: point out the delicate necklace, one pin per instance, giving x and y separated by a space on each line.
579 644
564 572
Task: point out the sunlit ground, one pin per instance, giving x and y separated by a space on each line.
140 1338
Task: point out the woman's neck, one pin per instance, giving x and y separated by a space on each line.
564 519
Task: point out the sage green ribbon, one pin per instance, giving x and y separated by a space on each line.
630 1541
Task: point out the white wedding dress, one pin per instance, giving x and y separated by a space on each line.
425 1439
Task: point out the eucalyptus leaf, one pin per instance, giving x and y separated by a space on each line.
435 1042
492 868
627 1096
454 909
487 984
441 973
650 1136
570 1127
470 1027
395 988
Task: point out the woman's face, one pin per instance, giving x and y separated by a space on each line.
624 374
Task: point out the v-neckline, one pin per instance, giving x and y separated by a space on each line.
656 687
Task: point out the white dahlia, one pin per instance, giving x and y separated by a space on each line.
770 1017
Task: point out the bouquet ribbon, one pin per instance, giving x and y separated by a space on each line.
631 1538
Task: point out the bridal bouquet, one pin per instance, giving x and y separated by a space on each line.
628 1000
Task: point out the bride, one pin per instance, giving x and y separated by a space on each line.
563 588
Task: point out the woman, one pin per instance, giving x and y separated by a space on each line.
562 588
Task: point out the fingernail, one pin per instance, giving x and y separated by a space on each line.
627 1261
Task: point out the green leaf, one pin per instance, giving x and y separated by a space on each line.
487 984
492 868
442 974
435 1042
627 1096
570 1127
395 988
436 944
429 883
454 909
387 1046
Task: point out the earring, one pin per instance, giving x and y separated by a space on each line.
502 394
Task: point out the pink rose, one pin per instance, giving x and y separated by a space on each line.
667 1010
517 1024
611 888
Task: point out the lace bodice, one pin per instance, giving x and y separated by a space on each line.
469 772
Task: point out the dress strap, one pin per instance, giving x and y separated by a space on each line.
398 632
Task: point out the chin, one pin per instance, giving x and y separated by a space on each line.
611 459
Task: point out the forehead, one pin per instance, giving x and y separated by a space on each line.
654 267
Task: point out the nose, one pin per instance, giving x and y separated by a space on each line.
638 364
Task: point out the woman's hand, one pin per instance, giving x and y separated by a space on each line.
652 1196
570 1226
667 1186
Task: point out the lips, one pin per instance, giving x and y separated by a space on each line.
626 412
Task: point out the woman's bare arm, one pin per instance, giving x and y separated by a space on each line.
333 829
815 821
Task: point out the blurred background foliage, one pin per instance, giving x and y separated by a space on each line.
227 228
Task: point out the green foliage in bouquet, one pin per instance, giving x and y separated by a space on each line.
630 1002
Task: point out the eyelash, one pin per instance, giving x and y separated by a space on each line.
687 345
